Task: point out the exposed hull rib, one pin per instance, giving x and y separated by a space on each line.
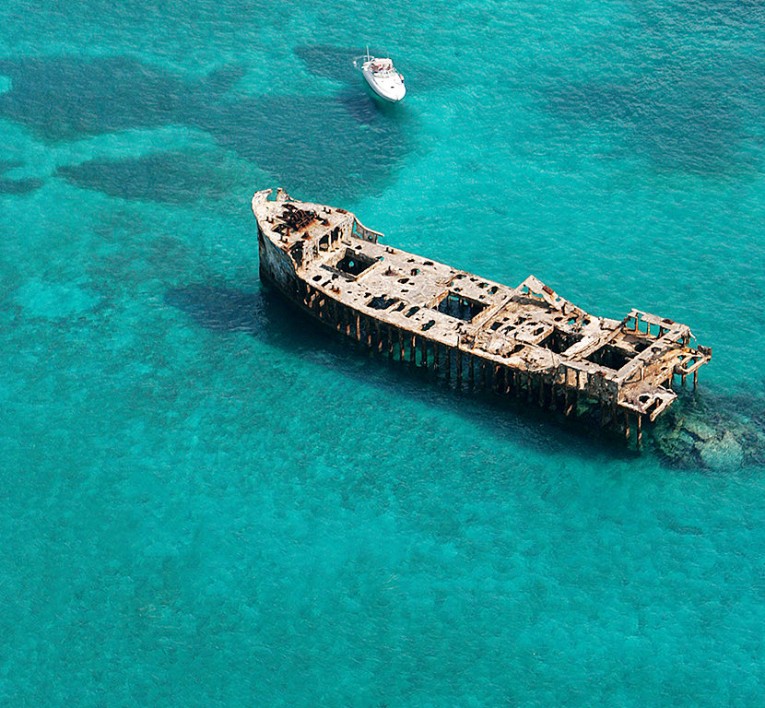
526 340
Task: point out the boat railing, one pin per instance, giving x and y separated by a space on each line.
266 195
365 234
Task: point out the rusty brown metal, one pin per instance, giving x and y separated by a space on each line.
544 346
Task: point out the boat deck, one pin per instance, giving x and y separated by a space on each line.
629 363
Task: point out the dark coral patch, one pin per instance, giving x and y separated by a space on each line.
19 186
173 177
65 98
311 145
316 144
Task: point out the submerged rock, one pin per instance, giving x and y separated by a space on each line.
678 446
721 454
699 428
717 434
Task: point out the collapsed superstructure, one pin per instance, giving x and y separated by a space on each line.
526 341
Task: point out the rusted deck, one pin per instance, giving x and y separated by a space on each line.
530 339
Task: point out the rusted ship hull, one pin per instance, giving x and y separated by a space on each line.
526 341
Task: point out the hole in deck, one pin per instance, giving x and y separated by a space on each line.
297 253
381 302
354 263
460 307
559 341
610 357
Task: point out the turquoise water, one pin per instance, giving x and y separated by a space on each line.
206 502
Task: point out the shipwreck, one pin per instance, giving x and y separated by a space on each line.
526 341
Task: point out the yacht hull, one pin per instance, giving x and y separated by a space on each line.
393 94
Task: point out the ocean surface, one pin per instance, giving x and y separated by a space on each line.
207 502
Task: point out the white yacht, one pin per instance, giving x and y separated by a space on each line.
383 78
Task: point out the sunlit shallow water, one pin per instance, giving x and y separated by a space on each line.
207 502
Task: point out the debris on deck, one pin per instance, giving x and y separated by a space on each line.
526 341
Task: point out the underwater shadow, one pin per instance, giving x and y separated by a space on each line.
328 62
312 145
268 317
336 64
702 432
219 309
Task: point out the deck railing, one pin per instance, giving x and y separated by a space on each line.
362 232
